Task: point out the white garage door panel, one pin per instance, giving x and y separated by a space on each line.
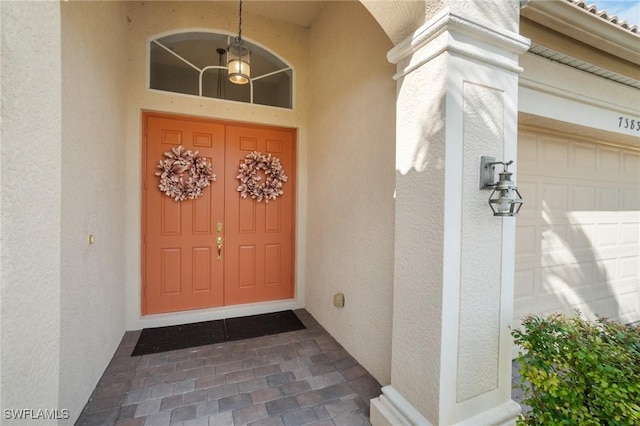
578 233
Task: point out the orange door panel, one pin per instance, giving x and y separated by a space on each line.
180 267
259 235
183 268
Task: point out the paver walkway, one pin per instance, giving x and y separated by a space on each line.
296 378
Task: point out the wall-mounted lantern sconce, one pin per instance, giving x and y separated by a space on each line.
505 200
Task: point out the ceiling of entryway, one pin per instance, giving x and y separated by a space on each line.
301 13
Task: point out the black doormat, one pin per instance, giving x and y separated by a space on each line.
163 339
262 325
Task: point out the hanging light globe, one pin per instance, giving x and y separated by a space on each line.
238 62
239 57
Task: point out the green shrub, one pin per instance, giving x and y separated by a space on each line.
577 372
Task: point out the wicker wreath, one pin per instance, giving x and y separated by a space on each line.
179 161
249 177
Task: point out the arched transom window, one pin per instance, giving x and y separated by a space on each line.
194 63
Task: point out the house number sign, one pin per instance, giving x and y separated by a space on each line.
629 123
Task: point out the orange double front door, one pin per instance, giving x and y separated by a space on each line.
217 249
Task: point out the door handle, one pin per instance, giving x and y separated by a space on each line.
219 243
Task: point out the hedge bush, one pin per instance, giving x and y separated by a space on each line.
579 372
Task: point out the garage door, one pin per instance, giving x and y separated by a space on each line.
578 233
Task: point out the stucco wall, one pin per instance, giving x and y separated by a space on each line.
92 308
30 215
491 13
290 42
420 235
587 105
351 182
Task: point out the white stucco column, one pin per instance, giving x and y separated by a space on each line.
453 279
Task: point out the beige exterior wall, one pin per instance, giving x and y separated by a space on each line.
92 297
30 214
490 13
561 98
420 162
290 42
351 183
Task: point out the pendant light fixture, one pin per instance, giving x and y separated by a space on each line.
239 57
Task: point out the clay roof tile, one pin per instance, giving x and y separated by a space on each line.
603 14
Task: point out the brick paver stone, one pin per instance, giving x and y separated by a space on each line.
321 412
264 395
325 380
209 381
338 407
127 412
354 372
100 404
222 419
269 421
196 396
336 391
320 369
184 386
201 421
282 405
131 422
147 407
310 398
351 419
100 418
161 391
327 422
182 414
197 373
223 391
111 390
280 379
207 408
236 401
238 376
300 417
171 402
302 373
163 418
266 370
248 414
345 363
252 385
293 388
